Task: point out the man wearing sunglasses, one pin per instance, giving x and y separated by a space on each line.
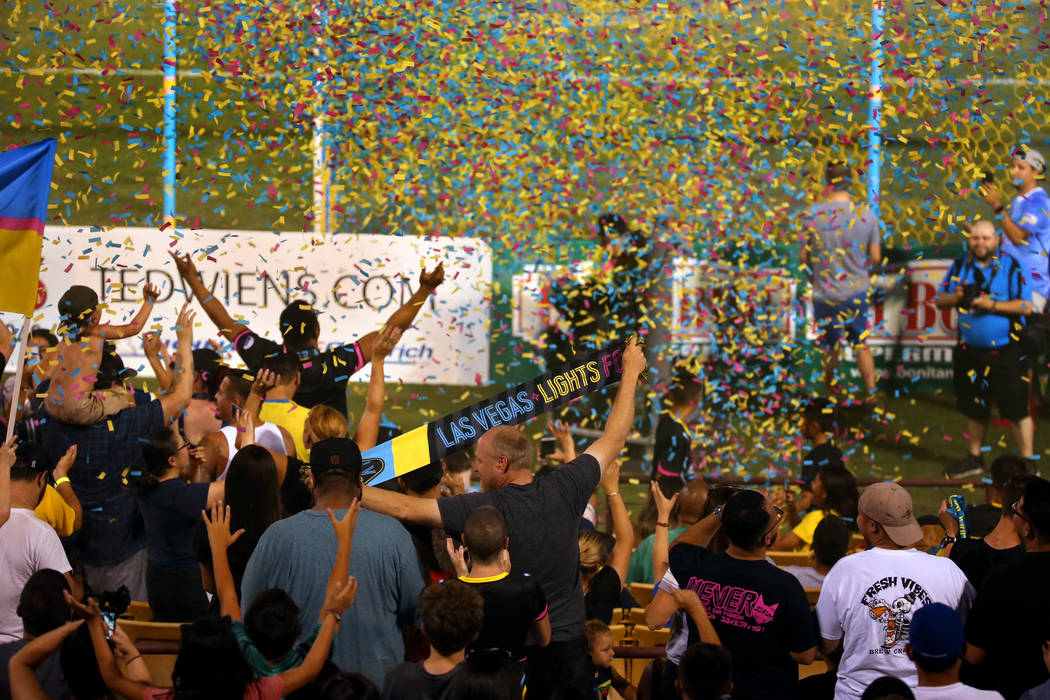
868 598
1011 617
759 611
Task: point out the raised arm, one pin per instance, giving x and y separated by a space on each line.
107 664
111 332
620 556
158 359
219 540
174 403
1017 234
218 314
700 532
338 598
22 667
608 447
344 534
367 433
403 317
65 488
689 602
422 511
662 533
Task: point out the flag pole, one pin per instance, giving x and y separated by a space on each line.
23 342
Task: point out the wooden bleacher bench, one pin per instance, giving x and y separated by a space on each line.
159 644
812 594
791 558
641 592
138 610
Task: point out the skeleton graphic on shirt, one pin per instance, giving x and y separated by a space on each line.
894 612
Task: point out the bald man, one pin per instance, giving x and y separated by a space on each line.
543 517
691 500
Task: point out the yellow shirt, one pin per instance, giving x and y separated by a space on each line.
290 416
805 529
54 511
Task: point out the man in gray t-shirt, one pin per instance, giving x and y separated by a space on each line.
840 245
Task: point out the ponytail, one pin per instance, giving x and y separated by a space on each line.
160 447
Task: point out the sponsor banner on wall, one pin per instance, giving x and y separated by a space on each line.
354 281
910 337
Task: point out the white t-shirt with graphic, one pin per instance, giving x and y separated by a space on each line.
867 601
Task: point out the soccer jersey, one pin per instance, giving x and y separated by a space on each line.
1031 212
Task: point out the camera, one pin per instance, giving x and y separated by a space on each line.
971 290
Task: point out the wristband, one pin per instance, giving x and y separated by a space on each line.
128 661
999 209
61 480
662 525
610 494
334 613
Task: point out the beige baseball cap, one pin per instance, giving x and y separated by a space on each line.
888 504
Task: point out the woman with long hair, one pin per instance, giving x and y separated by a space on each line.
254 497
834 493
171 508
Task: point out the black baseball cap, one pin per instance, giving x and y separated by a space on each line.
31 456
333 454
78 304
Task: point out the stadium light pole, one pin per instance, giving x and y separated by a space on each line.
170 76
875 108
321 175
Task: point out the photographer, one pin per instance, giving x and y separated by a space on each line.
992 296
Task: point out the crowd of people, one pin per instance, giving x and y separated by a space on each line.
233 504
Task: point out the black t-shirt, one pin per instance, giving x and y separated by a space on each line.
49 673
411 682
1010 619
820 456
322 375
672 455
981 519
513 601
759 611
172 514
543 520
976 558
603 595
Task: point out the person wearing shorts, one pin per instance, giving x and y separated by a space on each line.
840 247
990 290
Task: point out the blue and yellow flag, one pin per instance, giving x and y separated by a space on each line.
25 185
433 441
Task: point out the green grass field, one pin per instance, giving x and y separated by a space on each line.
721 114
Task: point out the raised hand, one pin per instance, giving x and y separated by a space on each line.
88 610
265 379
687 601
66 463
218 527
431 280
185 265
633 359
565 448
341 595
245 429
664 505
344 527
611 478
150 293
184 325
457 555
7 453
385 341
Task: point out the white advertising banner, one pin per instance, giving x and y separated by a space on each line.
354 281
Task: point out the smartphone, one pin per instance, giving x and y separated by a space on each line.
110 621
546 446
